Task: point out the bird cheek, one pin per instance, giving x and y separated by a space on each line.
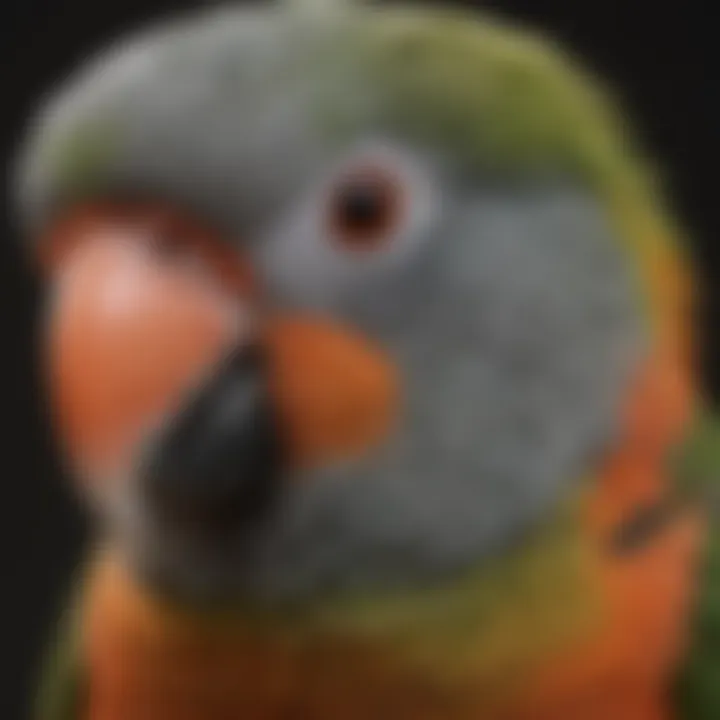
125 336
337 394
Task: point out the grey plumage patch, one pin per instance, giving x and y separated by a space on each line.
220 114
516 346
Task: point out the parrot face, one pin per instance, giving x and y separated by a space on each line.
386 349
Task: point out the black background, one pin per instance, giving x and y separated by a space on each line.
657 56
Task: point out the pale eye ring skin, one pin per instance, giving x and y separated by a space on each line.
391 187
307 257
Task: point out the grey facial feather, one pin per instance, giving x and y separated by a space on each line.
526 333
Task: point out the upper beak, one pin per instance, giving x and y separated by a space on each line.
141 348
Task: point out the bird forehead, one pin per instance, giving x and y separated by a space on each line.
230 110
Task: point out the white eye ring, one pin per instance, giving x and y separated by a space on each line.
395 201
301 257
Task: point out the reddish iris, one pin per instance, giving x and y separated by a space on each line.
365 208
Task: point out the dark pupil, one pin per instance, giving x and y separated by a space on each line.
362 206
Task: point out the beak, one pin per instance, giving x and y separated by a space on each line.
160 370
217 463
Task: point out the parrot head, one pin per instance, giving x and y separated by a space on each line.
337 300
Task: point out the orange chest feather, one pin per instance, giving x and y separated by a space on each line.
147 663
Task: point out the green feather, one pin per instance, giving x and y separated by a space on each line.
698 472
698 688
505 102
60 692
80 156
508 99
697 460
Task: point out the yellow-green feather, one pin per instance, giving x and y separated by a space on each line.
512 103
697 467
484 626
59 695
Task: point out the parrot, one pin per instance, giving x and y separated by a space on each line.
368 345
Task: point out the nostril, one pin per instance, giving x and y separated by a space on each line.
220 459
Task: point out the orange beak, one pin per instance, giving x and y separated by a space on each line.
144 304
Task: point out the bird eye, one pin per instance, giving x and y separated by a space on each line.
366 208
